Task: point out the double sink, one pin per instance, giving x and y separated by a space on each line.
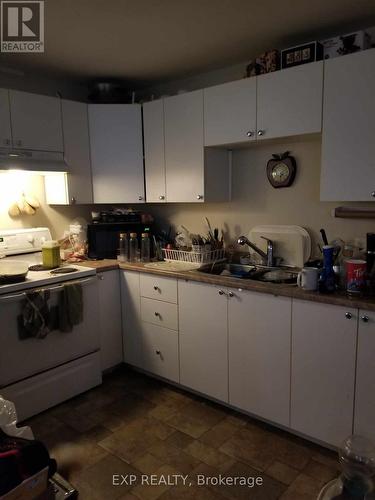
276 275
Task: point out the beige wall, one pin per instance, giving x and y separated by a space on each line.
255 201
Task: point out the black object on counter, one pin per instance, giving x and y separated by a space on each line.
324 237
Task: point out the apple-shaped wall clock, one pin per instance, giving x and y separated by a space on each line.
281 170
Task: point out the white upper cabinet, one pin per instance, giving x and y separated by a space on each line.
364 415
323 370
184 154
259 354
77 151
153 132
5 129
116 153
230 112
203 338
36 121
348 146
289 102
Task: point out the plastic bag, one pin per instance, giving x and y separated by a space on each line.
8 421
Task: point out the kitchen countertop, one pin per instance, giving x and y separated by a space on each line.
338 298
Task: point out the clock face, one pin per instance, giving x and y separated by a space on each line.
280 173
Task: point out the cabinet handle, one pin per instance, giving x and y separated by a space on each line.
199 197
365 319
19 143
7 142
157 314
249 133
260 132
73 201
157 352
156 288
221 292
373 194
348 315
161 197
140 198
100 277
230 294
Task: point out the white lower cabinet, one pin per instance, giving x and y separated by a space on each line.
159 348
259 327
203 338
323 370
131 317
364 414
110 319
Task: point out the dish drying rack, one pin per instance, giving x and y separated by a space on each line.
198 258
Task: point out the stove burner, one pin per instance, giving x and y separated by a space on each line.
39 267
63 270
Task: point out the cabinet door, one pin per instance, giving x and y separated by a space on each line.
131 317
203 339
116 153
110 319
289 102
364 415
184 154
323 370
348 147
160 351
153 134
36 121
230 112
5 130
259 329
77 151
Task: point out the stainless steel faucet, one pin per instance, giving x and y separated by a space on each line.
267 257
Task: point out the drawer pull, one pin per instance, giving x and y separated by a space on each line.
157 314
158 352
365 319
156 288
348 315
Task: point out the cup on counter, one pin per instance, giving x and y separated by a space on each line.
308 278
355 276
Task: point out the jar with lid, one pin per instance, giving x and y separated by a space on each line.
123 252
145 248
133 247
51 254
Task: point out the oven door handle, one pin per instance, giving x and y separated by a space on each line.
16 296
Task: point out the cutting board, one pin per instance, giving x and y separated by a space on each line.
291 243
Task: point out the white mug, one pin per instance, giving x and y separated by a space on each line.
308 278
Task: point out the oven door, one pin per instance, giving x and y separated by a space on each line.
20 359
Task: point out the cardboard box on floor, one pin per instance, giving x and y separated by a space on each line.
33 488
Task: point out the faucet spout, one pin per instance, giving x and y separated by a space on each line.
267 257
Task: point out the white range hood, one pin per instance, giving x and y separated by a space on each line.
35 161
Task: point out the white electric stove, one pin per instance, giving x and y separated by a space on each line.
39 373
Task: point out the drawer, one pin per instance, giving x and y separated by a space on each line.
159 313
160 351
156 287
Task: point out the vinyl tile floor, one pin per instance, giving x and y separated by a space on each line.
135 437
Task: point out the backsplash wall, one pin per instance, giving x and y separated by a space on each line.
255 201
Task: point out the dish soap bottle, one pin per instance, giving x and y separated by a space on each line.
327 281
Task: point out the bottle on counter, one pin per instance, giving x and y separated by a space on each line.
133 247
145 248
327 281
123 255
51 254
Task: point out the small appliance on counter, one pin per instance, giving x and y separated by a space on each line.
103 234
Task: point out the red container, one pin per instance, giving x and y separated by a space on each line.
355 276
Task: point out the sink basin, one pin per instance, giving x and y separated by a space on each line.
278 275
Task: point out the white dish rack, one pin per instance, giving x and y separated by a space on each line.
197 258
